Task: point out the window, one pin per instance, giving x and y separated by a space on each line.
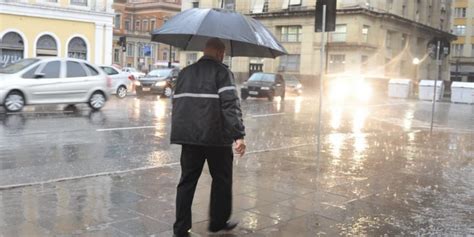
258 6
75 69
110 71
145 26
141 52
92 70
404 40
339 35
388 40
458 50
191 58
472 50
152 25
290 62
365 33
295 2
137 25
364 63
165 56
173 56
51 70
460 12
265 6
459 30
130 50
229 4
337 63
117 55
389 5
117 21
127 25
290 33
30 74
195 4
78 2
77 48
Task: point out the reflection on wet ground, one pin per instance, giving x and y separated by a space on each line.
113 173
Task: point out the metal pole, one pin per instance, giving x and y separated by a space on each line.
169 61
438 61
222 4
321 67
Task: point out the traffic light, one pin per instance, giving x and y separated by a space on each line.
331 6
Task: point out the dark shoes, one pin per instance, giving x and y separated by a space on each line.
230 225
182 235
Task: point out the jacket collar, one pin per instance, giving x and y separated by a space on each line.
208 58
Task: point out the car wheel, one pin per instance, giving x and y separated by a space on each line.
14 101
121 92
244 97
168 92
97 100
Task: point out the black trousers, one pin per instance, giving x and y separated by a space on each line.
219 160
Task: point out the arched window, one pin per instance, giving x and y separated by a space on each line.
46 46
77 48
11 48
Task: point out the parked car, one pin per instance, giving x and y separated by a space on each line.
121 81
293 85
157 82
52 80
136 74
264 85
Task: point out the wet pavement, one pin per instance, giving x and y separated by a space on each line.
71 172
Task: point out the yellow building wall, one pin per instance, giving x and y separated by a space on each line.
31 27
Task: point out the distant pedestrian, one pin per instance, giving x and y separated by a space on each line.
206 121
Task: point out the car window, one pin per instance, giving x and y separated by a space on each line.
92 70
51 69
30 73
109 71
262 77
18 66
74 69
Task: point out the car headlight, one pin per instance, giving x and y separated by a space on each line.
137 83
161 83
264 88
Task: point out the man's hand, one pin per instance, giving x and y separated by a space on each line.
240 147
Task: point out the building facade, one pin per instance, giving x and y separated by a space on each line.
462 50
63 28
136 19
378 38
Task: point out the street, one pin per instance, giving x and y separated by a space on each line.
70 171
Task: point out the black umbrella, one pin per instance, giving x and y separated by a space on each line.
243 35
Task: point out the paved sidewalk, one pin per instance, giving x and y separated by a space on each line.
403 184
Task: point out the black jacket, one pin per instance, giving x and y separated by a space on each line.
206 107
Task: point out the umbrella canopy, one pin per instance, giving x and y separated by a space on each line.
242 35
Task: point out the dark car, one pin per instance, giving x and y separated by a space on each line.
293 85
157 82
264 85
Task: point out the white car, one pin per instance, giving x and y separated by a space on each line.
136 74
52 80
121 81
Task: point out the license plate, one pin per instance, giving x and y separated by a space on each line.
253 92
145 89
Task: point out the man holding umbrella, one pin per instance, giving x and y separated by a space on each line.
206 121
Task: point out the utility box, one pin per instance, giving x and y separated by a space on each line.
462 92
426 89
400 88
